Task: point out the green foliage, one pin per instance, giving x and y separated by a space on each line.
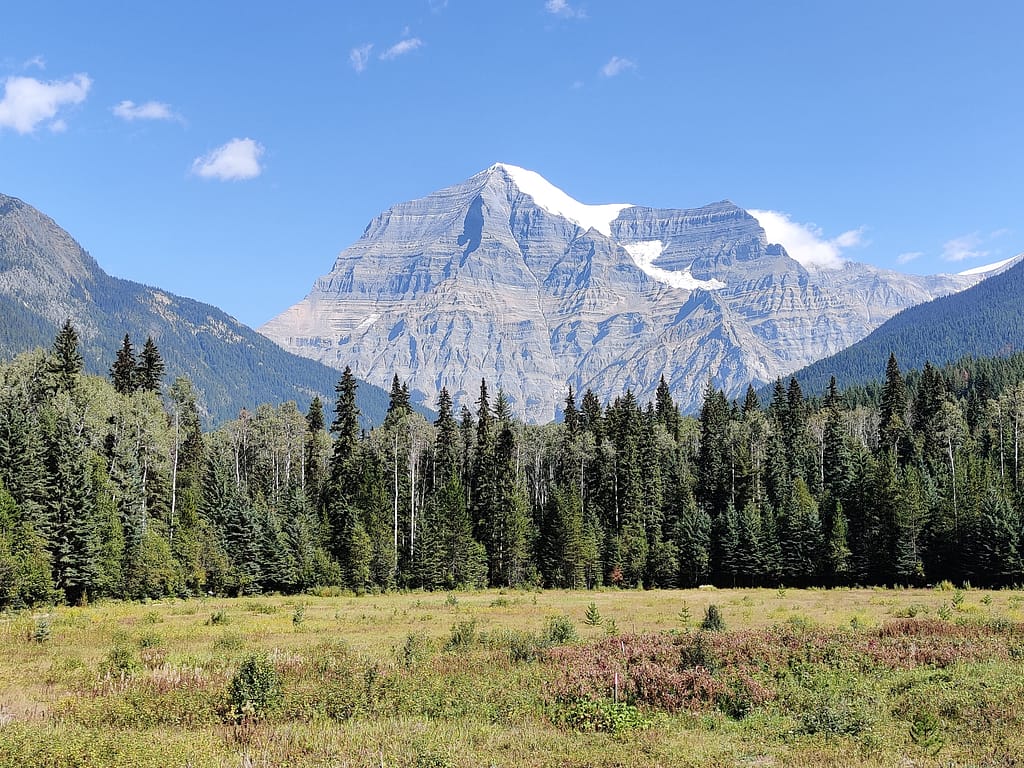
600 716
463 635
593 616
927 733
559 630
713 620
41 629
255 688
218 619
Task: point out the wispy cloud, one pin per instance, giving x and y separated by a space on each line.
807 242
150 110
563 9
36 62
401 48
616 66
909 256
237 160
28 102
436 6
359 56
964 247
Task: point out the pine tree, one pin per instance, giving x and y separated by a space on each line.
150 370
74 537
693 542
124 373
665 407
66 363
572 416
892 414
446 445
838 552
713 475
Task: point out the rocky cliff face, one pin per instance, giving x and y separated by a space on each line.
504 277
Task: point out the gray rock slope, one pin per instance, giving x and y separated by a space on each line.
506 278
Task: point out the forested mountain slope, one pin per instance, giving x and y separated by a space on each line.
984 320
46 277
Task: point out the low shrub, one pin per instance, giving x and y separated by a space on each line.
255 688
559 630
600 716
463 635
713 619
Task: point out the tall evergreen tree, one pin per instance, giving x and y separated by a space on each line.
892 415
124 371
66 362
149 373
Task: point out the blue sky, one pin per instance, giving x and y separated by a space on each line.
228 150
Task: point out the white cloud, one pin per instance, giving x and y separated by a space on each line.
360 56
401 48
27 102
237 160
806 242
36 61
616 66
906 258
964 247
58 126
563 9
151 110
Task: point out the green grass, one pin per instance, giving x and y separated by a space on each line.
519 678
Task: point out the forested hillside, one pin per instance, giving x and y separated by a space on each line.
985 320
108 493
47 277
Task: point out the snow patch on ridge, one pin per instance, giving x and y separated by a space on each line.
553 200
646 251
990 267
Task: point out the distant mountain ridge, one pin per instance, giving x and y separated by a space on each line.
986 320
506 277
46 277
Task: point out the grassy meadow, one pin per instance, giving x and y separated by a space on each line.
517 678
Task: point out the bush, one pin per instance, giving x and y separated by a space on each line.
41 629
218 618
463 635
121 659
600 716
255 688
713 620
559 630
415 650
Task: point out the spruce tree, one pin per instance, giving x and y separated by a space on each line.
892 415
124 371
66 361
74 541
149 373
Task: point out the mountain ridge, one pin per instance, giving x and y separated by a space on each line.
486 279
47 277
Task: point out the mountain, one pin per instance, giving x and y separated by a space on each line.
506 277
46 277
986 320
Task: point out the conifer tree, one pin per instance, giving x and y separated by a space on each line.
149 373
73 533
66 363
892 414
124 371
572 416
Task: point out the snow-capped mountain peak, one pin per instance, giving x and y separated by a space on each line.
553 200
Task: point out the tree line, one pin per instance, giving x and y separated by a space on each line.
110 487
